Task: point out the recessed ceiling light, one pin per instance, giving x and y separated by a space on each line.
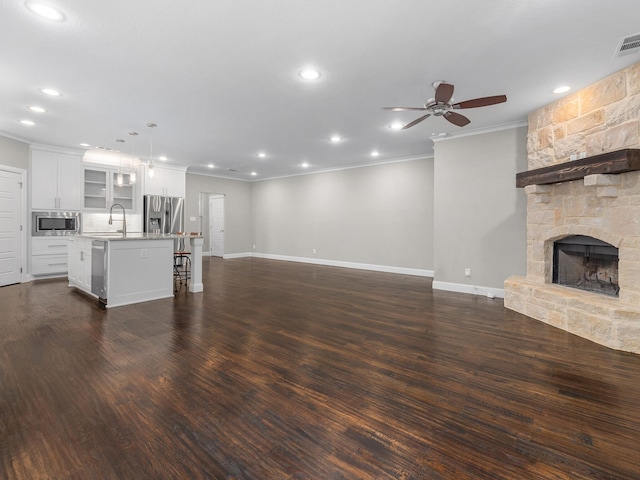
396 126
375 153
211 165
85 145
27 122
562 89
309 74
336 138
36 109
254 173
262 155
50 91
304 165
163 158
45 11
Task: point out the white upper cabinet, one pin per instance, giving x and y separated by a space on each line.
168 182
101 188
55 181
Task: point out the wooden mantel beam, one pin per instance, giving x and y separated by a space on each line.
620 161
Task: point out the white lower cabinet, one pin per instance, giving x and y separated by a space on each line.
49 255
80 263
49 265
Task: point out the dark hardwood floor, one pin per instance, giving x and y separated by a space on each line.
292 371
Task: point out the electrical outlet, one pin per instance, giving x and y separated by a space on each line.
467 272
314 251
254 247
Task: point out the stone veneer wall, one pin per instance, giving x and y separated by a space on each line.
601 118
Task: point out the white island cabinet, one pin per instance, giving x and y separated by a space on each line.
122 270
79 262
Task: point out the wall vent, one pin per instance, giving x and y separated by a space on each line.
628 45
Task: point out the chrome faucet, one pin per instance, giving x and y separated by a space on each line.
124 218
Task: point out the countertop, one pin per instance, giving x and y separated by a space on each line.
114 236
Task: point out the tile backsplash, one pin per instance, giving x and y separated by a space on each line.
99 222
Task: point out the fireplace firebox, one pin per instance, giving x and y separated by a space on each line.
586 263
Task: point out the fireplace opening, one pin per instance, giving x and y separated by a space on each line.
586 263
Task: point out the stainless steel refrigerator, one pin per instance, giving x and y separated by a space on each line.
163 214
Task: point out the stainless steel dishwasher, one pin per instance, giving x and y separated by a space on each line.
99 259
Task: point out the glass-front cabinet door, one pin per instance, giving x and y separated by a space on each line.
122 190
95 189
105 186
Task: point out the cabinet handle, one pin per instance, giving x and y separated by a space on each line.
55 246
82 256
55 264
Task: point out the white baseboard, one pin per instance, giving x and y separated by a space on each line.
472 289
237 255
337 263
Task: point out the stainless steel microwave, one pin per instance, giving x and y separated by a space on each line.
54 223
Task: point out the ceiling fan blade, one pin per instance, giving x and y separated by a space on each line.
400 109
481 102
416 121
444 92
457 119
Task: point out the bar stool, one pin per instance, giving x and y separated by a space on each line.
181 262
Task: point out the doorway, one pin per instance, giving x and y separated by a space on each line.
216 225
11 234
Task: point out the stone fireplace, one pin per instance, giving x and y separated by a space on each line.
583 186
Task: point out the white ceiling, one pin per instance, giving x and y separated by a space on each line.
220 78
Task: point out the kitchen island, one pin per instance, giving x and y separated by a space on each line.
122 269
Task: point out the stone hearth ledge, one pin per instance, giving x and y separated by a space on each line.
601 319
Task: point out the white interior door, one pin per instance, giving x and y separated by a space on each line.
216 225
10 235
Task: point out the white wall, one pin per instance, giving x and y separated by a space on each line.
480 215
237 232
458 210
14 153
376 215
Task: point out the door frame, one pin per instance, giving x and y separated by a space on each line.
211 197
25 249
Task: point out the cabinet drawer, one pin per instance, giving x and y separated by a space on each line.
49 245
48 264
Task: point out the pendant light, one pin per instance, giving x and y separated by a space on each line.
132 169
119 175
151 172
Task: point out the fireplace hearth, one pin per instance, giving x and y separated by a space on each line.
586 263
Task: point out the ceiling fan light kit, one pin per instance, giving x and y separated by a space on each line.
441 105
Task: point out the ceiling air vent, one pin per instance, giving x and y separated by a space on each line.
628 45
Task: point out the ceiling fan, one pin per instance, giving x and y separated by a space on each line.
441 105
